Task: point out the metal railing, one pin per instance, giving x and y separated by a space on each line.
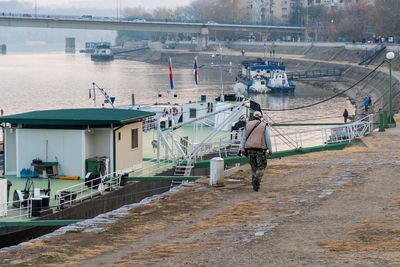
88 189
322 136
371 54
314 74
11 212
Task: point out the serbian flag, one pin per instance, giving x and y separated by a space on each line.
171 78
195 72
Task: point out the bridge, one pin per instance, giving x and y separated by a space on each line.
201 29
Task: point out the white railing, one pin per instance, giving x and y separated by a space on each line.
88 189
12 212
322 136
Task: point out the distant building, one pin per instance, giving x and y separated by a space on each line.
278 11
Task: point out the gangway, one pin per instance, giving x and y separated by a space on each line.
371 54
310 74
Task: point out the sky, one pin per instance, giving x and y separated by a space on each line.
108 4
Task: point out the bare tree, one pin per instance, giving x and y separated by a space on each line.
387 17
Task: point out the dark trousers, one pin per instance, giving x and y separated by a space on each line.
258 162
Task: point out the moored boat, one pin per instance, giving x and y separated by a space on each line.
102 52
280 83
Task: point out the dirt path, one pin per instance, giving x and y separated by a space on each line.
328 208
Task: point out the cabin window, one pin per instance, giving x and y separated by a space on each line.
192 113
119 136
135 138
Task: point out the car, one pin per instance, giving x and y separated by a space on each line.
139 20
211 22
87 17
27 15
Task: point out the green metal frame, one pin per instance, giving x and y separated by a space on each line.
279 154
40 223
163 178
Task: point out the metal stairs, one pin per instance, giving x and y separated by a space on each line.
234 150
181 170
370 55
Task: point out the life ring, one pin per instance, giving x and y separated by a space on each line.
173 111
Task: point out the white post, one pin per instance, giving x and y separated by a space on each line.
158 140
217 172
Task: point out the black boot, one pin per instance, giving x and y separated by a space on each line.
256 184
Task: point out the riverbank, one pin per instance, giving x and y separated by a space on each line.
304 57
320 209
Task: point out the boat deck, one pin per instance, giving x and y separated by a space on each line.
19 184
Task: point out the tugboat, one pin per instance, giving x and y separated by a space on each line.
280 83
102 52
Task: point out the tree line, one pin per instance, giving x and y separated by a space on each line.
360 21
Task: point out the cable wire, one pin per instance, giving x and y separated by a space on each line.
329 98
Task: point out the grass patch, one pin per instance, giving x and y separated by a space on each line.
370 235
73 231
46 258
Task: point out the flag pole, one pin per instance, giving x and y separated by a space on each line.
171 83
197 97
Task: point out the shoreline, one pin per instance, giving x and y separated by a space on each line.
374 87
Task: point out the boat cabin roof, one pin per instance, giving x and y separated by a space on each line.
78 117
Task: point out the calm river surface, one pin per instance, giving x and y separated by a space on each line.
51 81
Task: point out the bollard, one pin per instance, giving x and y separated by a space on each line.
381 123
217 172
385 119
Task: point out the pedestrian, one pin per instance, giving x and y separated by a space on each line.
270 53
366 102
273 52
345 115
242 51
369 101
254 145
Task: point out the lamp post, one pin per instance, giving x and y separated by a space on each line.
389 57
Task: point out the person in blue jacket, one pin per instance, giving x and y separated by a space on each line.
366 103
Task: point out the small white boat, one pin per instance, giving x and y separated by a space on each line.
280 83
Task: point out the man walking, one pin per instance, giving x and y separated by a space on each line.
345 115
255 142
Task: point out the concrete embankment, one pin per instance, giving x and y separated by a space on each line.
307 56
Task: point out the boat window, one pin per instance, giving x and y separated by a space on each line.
135 138
192 113
119 136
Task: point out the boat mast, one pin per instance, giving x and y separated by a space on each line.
106 96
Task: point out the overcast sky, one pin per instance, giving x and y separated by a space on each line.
108 4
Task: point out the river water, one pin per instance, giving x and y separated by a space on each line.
56 80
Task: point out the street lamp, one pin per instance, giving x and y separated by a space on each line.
389 57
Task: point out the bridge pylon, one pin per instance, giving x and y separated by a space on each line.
202 39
